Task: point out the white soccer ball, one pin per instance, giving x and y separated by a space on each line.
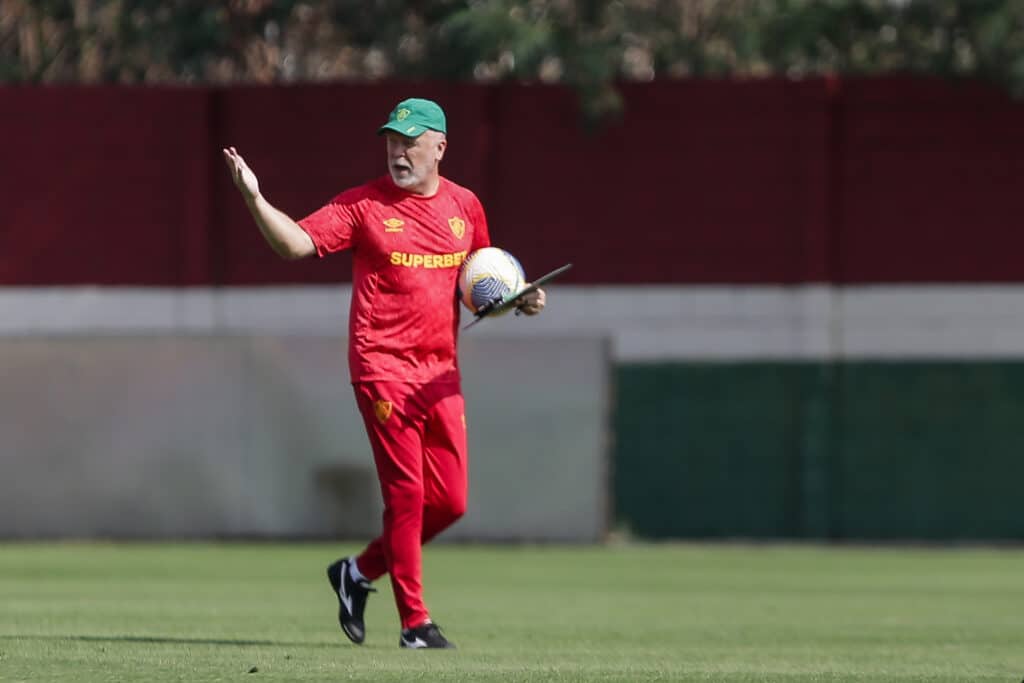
487 275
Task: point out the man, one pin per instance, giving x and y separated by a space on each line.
403 325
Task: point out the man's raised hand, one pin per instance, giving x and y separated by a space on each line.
245 179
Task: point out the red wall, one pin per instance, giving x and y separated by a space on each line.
700 182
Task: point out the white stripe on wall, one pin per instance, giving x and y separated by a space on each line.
644 323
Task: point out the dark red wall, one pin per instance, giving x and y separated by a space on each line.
700 182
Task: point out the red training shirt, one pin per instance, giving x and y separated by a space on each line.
406 251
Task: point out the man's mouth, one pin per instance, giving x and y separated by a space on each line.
401 167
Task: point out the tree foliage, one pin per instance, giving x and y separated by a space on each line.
590 44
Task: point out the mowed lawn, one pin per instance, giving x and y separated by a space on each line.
216 612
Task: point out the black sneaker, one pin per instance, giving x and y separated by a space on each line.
426 636
351 599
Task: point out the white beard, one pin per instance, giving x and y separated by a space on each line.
405 180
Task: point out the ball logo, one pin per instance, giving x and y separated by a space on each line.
382 409
458 227
402 114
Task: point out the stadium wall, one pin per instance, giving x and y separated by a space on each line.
811 289
208 433
766 182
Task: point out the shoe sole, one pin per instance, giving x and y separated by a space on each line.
449 646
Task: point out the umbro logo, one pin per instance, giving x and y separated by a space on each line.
393 225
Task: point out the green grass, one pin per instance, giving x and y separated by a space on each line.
195 612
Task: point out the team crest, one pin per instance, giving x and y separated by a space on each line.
382 409
402 114
458 227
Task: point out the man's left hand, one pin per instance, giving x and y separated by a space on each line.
532 303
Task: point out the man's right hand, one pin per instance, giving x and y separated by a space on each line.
245 179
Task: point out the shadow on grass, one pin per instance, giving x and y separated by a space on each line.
168 640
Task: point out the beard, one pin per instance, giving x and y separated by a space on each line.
405 178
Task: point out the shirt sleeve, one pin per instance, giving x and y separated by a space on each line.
481 233
333 226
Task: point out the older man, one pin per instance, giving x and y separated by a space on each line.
409 231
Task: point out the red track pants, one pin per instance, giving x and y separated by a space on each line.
418 436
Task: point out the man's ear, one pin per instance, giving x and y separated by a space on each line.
442 145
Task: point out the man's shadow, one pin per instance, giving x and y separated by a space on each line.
168 640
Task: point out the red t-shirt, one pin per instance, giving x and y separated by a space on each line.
406 252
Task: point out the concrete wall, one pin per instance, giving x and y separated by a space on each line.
815 411
177 435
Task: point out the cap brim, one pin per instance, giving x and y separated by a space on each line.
409 131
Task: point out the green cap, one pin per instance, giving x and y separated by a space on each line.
414 116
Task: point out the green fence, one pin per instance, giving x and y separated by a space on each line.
866 450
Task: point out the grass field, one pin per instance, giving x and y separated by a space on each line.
196 612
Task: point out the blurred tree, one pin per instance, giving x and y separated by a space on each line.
975 38
590 44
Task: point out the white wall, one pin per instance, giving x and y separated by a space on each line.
202 435
644 323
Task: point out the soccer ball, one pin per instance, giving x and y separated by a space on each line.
487 275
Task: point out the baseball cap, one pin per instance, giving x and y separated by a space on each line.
415 116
